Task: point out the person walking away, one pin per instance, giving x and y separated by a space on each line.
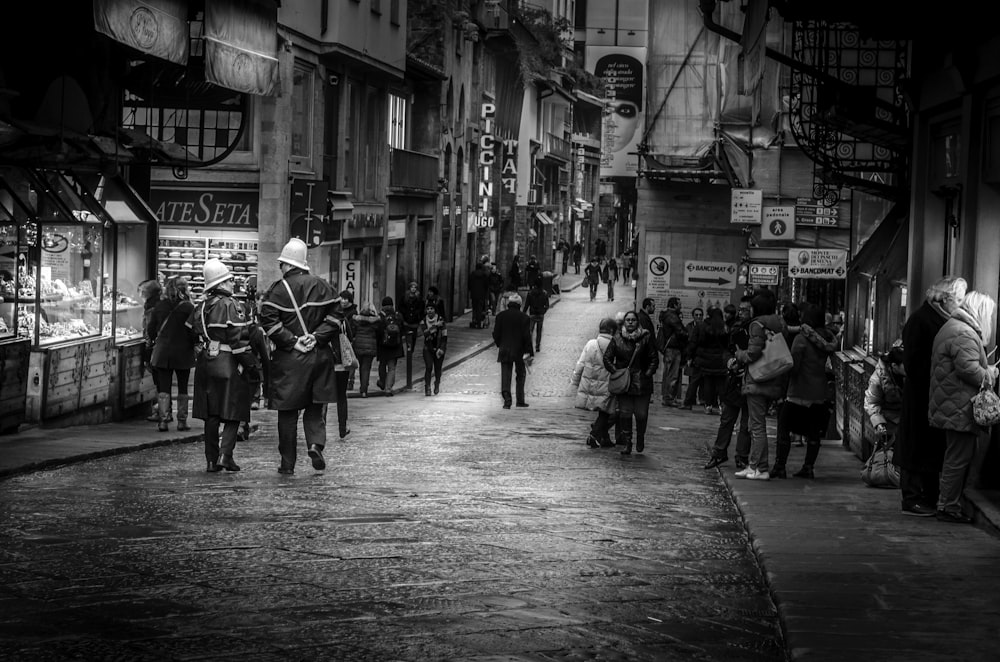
225 366
760 394
479 292
693 394
435 334
150 291
610 276
633 347
537 304
806 410
959 368
672 338
297 314
365 343
734 403
412 310
514 274
173 350
593 277
349 309
709 354
577 256
626 267
564 250
590 377
884 395
532 272
390 346
344 364
512 335
496 288
919 448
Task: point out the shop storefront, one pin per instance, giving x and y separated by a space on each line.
74 249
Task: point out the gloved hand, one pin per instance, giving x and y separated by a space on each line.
439 353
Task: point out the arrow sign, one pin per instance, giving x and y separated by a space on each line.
717 274
714 281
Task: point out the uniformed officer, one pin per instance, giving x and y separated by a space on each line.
297 314
225 365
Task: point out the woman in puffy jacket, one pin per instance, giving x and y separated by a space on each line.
366 326
708 351
958 368
633 339
884 395
760 393
806 409
591 379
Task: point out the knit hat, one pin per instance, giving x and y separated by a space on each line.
387 301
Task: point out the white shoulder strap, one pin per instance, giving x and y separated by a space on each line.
295 305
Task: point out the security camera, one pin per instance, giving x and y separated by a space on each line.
334 79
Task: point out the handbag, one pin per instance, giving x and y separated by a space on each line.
879 471
621 378
347 356
986 406
775 360
218 364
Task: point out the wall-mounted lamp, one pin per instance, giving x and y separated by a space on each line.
631 33
601 31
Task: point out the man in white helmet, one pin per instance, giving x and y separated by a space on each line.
297 314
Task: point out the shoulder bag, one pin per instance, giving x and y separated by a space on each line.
621 378
775 361
986 406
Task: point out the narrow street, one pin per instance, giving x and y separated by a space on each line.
445 528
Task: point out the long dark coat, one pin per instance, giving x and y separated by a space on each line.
512 335
173 345
647 360
228 396
918 446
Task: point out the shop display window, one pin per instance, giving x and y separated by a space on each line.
8 274
184 254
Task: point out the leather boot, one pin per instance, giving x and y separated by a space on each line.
213 467
164 405
182 412
154 415
227 463
625 437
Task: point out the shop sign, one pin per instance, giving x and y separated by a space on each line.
763 274
746 206
225 209
811 212
710 274
350 276
817 263
694 298
778 223
487 157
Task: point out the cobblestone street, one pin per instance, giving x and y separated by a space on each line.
445 528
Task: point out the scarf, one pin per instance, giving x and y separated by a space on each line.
634 336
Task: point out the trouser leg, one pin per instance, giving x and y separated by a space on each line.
757 405
521 375
742 454
727 422
212 438
959 450
812 451
314 424
227 444
506 372
387 371
783 438
341 378
641 411
288 423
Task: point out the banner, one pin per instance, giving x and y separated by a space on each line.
241 45
621 69
155 27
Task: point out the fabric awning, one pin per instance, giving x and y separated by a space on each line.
543 218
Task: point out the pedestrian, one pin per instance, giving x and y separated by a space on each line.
225 366
496 288
646 316
734 403
435 334
390 346
884 395
434 299
514 274
366 329
479 292
173 350
633 347
345 359
532 272
261 347
708 351
150 292
626 265
512 335
590 377
672 340
959 368
760 394
348 309
577 256
297 314
537 304
693 394
806 409
600 249
412 310
919 448
593 277
565 250
610 276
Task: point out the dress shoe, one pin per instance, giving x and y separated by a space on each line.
380 384
953 517
213 467
506 405
228 464
640 445
778 472
805 472
437 389
345 432
919 510
522 404
591 441
715 461
316 454
283 469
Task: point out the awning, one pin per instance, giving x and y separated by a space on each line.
543 218
340 206
584 205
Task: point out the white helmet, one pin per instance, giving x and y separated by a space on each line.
294 253
215 271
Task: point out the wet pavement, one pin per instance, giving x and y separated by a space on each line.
447 528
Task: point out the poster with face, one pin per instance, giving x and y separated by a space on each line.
621 69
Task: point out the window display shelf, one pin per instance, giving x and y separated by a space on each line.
179 255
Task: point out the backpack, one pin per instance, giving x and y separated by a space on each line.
661 339
392 335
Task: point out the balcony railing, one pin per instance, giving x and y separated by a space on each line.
413 170
493 15
557 147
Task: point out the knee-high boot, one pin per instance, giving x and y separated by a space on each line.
182 412
164 403
625 434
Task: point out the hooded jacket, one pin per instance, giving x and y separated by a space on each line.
958 368
591 376
772 388
811 348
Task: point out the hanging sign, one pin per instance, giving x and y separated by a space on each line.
778 223
746 205
710 274
817 263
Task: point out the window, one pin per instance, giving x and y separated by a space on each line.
397 122
394 12
302 109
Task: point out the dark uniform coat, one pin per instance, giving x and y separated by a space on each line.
297 379
228 395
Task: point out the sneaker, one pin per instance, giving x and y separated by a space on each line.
758 475
953 517
744 472
316 454
708 410
283 469
919 510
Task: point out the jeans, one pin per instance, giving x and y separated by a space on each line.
919 487
960 449
433 365
727 422
535 323
671 374
637 406
341 377
506 369
216 445
757 407
387 374
364 372
593 290
611 290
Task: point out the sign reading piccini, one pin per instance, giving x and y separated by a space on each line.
710 274
817 263
746 205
